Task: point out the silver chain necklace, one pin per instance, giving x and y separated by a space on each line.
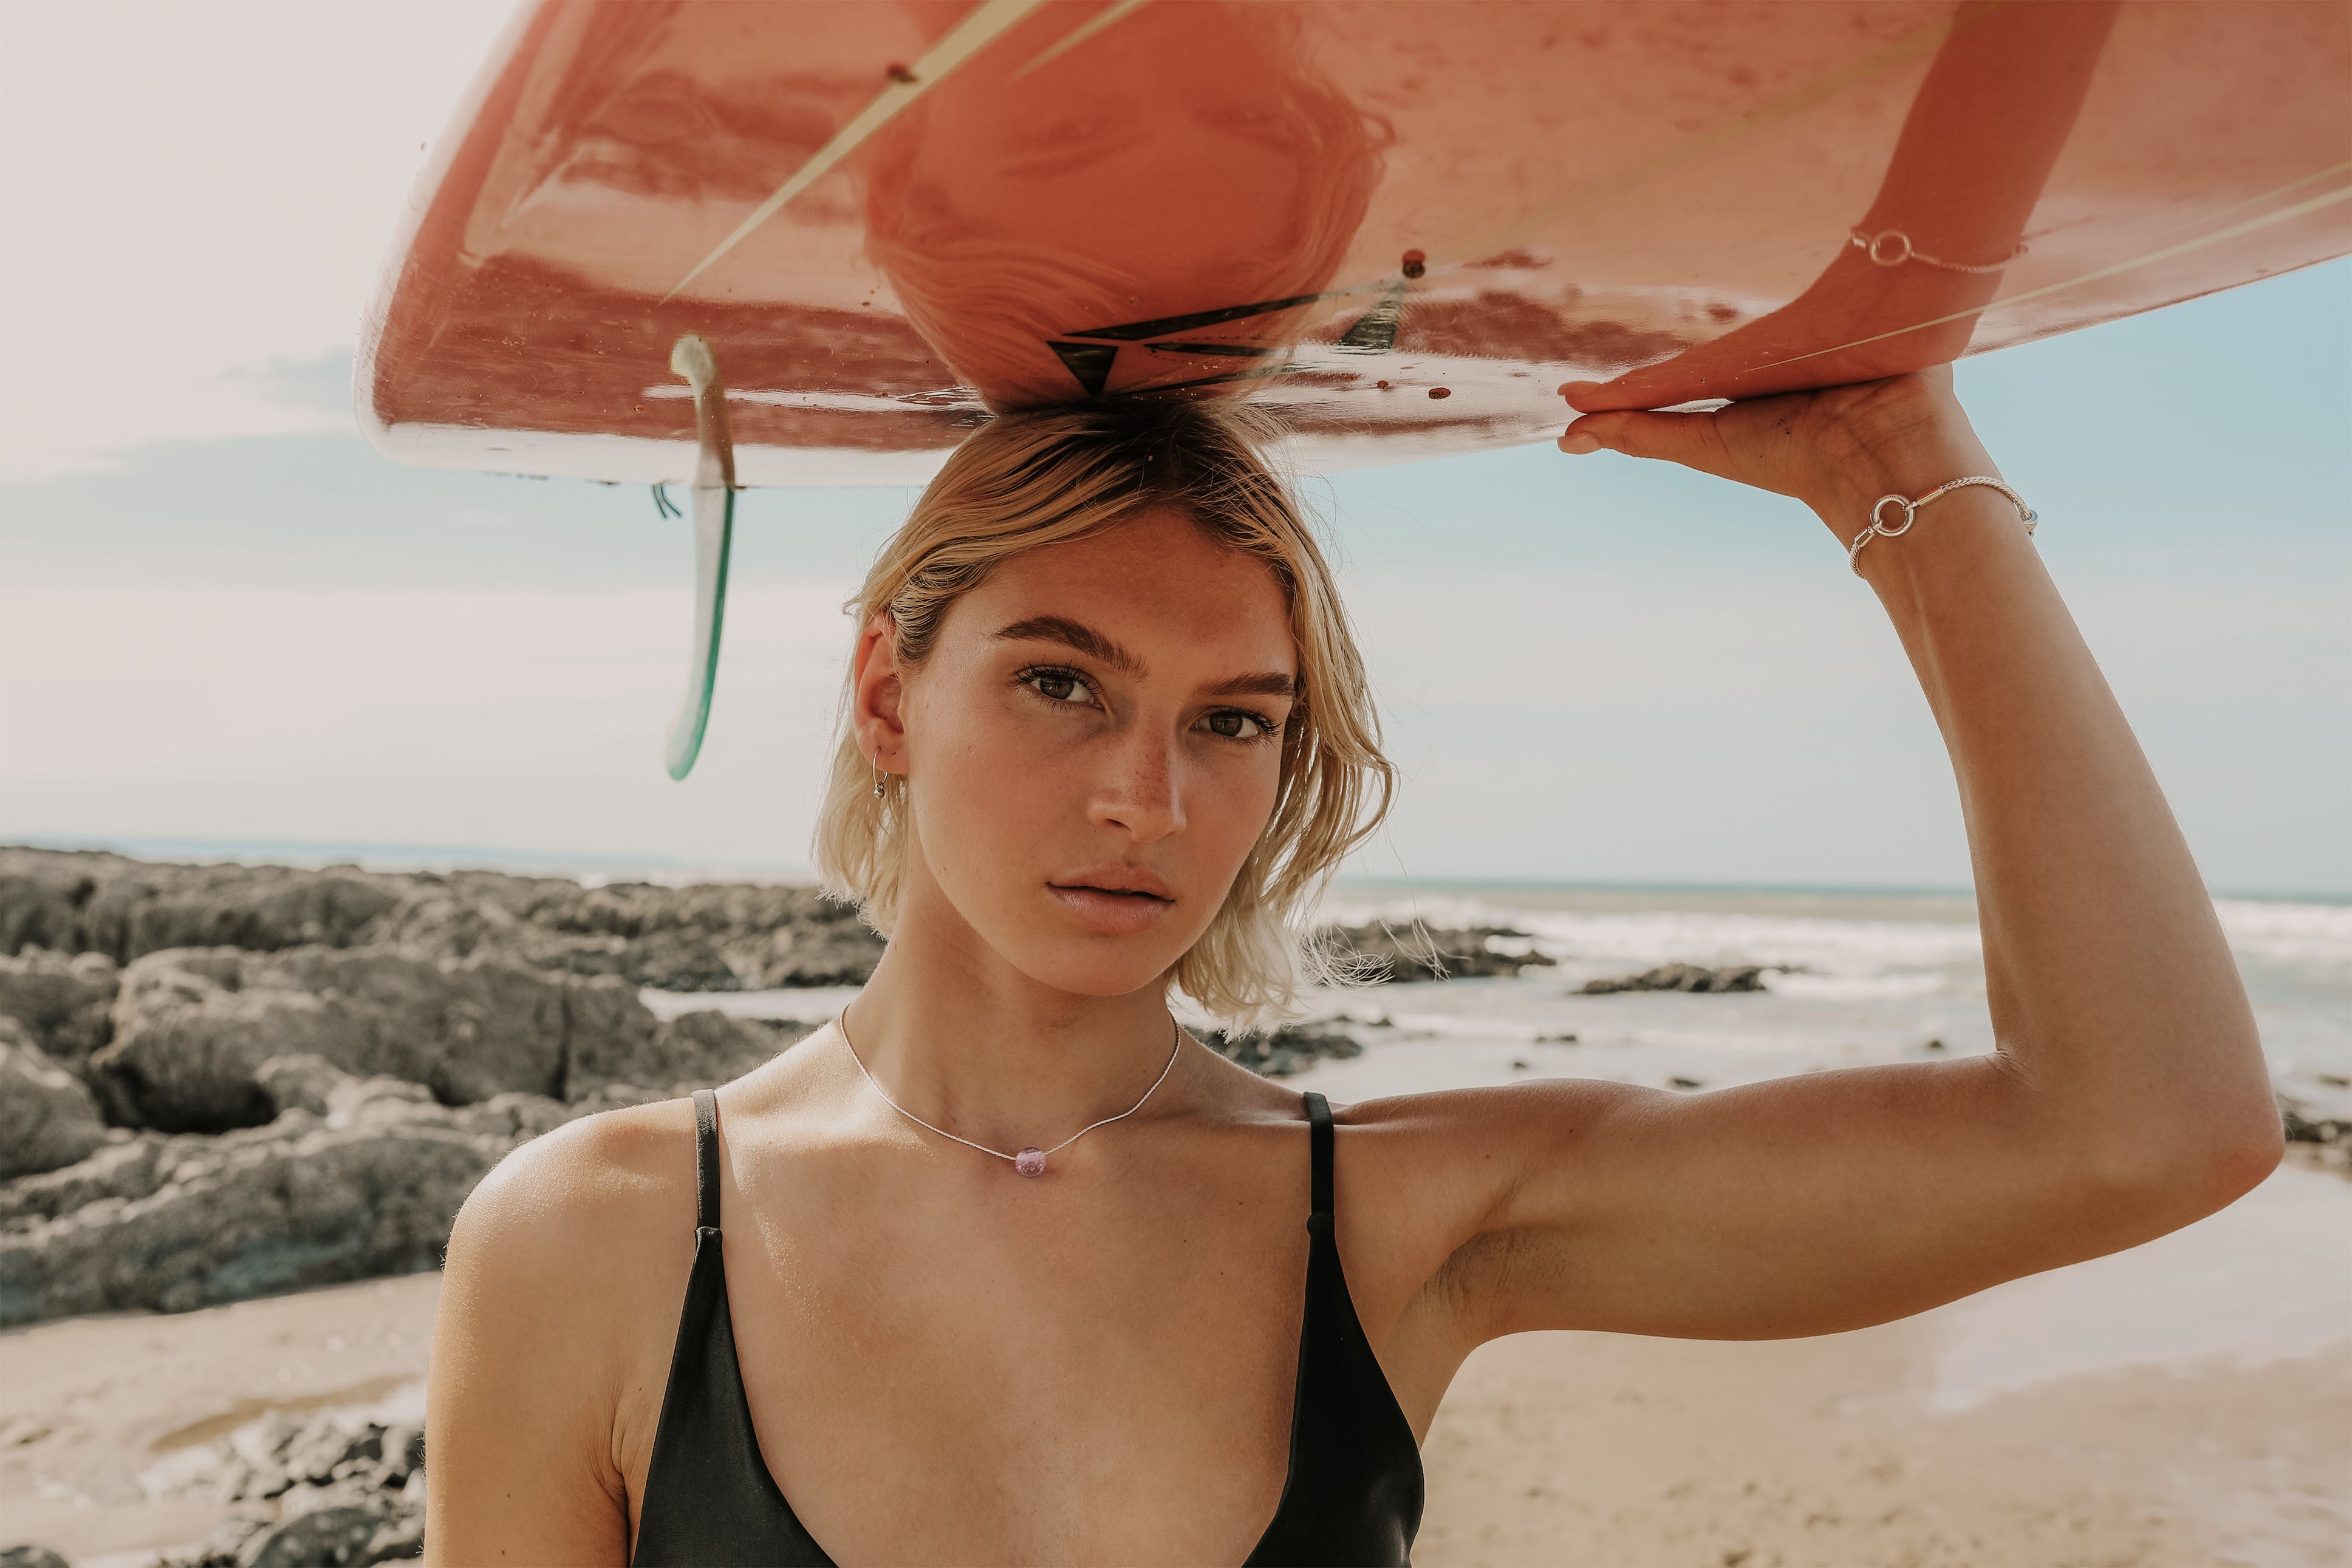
1029 1162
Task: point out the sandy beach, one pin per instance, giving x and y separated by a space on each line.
2187 1402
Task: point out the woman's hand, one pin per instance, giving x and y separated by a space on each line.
1837 450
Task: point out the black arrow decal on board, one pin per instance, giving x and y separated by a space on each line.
1375 331
1090 362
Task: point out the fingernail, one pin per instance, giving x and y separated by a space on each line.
1578 393
1577 443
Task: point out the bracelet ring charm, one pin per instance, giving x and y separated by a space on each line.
1893 247
1910 509
1910 515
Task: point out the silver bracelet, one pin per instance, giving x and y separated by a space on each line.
1892 248
1878 529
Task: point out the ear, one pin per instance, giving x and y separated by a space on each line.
875 694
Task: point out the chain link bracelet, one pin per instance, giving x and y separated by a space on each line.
1893 247
1910 508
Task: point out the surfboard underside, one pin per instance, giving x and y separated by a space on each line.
1403 224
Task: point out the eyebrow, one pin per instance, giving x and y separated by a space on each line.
1272 684
1072 634
1086 640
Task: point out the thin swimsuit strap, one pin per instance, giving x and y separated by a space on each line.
1319 1142
1352 1495
706 1160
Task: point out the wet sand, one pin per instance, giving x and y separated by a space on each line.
1597 1451
2187 1402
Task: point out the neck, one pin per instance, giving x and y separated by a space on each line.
963 1040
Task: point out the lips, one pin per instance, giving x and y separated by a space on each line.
1114 901
1133 880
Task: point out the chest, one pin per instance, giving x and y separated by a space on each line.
1022 1370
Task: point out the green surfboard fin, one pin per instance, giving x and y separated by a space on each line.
714 536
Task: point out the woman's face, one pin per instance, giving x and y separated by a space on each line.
1093 748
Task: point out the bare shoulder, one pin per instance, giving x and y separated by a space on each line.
560 1295
578 1245
1465 1150
568 1203
1422 1176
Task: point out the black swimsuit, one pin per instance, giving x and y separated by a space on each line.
1352 1498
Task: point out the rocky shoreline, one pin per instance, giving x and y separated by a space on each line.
218 1082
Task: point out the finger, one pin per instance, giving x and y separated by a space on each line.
1689 439
1582 394
1662 386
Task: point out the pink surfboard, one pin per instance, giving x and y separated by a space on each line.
1404 223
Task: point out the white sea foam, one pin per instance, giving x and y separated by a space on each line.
1688 936
2260 930
2287 933
1853 988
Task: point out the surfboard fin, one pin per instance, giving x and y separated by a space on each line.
714 536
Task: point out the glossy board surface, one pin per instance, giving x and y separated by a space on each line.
1403 222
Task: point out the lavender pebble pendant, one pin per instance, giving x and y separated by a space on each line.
1029 1162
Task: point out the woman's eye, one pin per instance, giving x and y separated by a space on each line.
1238 726
1059 684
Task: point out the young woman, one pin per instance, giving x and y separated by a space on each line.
1003 1268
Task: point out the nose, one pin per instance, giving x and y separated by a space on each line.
1141 789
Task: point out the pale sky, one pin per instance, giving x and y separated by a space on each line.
224 618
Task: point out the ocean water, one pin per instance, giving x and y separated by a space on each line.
1852 978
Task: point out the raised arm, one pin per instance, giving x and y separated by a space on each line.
2128 1095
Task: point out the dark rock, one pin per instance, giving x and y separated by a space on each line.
64 1002
300 1082
31 1557
277 1208
1284 1051
329 1536
1419 952
48 1119
713 1046
194 1026
1678 1082
713 938
80 902
2301 1126
117 1171
320 1539
356 1177
1683 977
402 1447
314 1492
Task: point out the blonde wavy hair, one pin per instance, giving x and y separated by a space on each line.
1044 476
